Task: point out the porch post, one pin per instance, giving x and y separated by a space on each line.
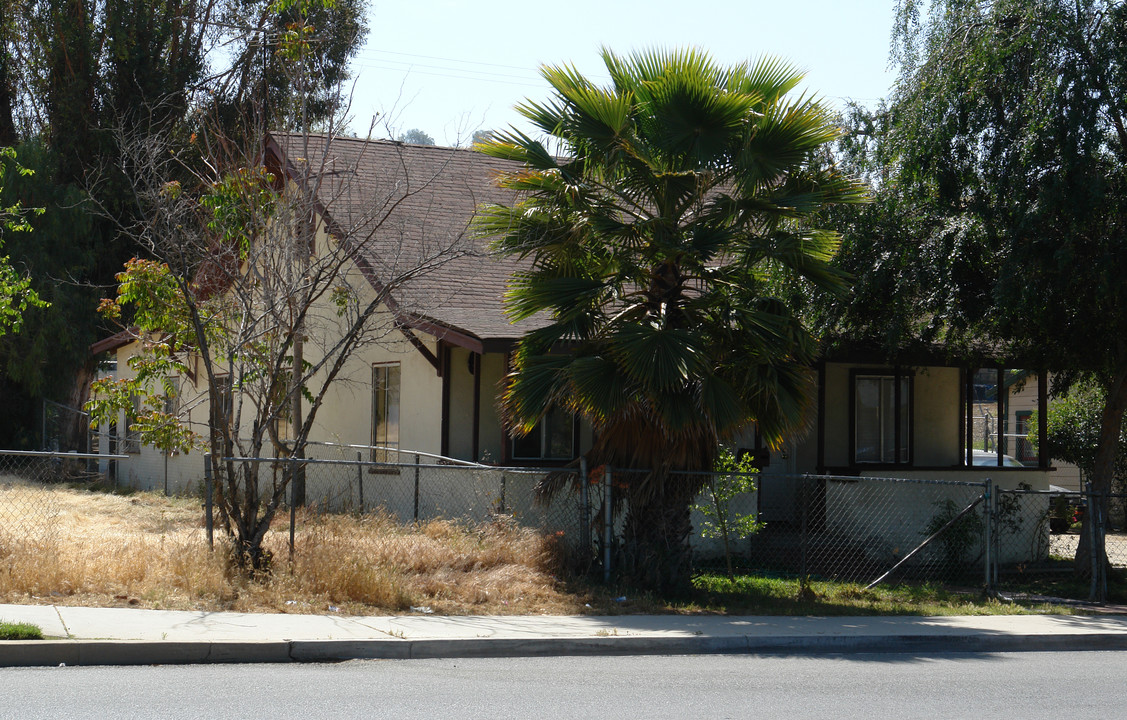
1042 418
896 414
968 456
962 435
476 406
1000 444
821 461
444 423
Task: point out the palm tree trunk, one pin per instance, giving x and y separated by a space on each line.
657 530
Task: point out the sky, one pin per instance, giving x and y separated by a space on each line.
450 68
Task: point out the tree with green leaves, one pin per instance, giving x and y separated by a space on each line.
77 76
1073 430
1000 173
415 136
248 301
16 293
661 230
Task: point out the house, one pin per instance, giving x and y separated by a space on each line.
431 384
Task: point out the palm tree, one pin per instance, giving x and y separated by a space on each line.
664 228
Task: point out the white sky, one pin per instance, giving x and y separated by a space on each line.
450 68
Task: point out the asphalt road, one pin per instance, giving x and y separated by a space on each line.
1015 685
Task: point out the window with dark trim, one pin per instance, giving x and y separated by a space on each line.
882 418
132 432
224 392
553 438
385 412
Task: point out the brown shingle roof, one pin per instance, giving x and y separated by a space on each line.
404 205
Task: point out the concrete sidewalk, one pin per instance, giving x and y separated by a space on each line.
123 636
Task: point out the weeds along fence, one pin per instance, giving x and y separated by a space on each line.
28 507
889 529
865 529
425 489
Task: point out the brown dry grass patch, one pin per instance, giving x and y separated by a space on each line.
147 550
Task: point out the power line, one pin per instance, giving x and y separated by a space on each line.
446 59
390 64
412 70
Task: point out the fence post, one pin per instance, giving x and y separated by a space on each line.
416 487
584 508
1092 555
502 508
293 501
804 543
988 535
360 478
608 523
1105 505
209 500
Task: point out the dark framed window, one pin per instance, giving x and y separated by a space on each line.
553 438
881 418
1023 449
132 432
385 412
224 393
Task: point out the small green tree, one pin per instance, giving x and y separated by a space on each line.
1073 430
734 477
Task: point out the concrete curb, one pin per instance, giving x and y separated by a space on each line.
26 653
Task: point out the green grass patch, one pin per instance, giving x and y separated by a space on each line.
19 631
758 594
761 595
1066 585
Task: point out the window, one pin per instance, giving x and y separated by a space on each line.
132 432
385 412
1024 449
882 418
171 402
553 438
171 405
223 392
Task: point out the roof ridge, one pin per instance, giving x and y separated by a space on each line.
379 141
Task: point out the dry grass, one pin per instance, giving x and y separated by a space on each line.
75 547
146 550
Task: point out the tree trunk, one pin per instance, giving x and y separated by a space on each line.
76 429
1103 469
657 529
7 87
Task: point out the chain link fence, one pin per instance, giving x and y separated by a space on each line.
66 429
28 508
425 489
1043 534
861 529
866 528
